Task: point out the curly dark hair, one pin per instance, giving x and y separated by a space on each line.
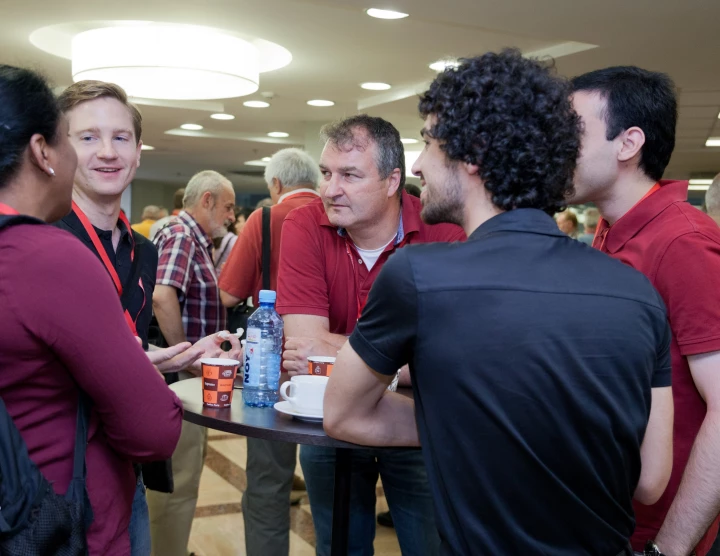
513 118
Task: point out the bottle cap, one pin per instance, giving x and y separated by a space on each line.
267 296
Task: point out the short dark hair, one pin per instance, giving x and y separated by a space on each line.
245 212
27 107
637 98
512 117
391 153
412 189
178 198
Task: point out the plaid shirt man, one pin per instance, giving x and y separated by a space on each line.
186 263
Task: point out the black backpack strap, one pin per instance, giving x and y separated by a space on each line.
266 248
78 487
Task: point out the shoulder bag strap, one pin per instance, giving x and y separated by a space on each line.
266 248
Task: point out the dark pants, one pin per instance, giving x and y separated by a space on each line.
266 501
406 488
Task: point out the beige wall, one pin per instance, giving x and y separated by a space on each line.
146 193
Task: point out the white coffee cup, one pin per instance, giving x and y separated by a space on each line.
305 393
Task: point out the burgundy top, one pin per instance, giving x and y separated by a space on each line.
678 248
63 327
321 272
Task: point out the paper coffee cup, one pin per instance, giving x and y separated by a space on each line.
320 365
218 376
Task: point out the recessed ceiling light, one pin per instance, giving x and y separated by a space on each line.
265 159
147 147
256 104
698 187
370 86
442 65
321 103
700 182
256 163
408 141
222 116
385 14
278 134
713 142
191 127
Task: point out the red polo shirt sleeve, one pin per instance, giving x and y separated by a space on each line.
241 274
688 278
302 287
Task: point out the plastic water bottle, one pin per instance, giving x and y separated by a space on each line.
263 354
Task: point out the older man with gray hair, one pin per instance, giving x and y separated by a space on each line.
712 200
292 176
187 306
591 220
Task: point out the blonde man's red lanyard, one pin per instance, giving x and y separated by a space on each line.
602 236
90 229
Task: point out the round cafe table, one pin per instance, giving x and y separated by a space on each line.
269 424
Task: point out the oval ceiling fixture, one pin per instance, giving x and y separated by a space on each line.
278 134
163 60
265 159
147 148
408 141
385 14
372 86
191 127
222 116
178 62
321 103
256 104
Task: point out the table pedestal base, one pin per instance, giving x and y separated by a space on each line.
341 502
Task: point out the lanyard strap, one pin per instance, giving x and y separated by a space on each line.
7 209
361 301
90 230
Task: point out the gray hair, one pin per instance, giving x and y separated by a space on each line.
292 167
207 180
592 218
391 153
151 212
712 197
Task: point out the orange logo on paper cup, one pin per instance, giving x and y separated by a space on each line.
210 396
211 372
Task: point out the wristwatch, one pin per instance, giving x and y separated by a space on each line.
651 549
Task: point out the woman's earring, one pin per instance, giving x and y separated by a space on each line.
52 172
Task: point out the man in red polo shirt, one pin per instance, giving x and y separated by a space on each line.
332 250
292 177
629 117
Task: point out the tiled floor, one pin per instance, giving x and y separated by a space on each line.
218 528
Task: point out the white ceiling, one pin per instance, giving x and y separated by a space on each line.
335 47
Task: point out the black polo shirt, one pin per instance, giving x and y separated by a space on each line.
140 303
532 359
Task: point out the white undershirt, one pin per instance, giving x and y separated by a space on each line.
370 256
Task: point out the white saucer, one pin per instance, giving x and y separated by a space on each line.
285 407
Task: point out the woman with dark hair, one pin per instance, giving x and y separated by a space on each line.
63 326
